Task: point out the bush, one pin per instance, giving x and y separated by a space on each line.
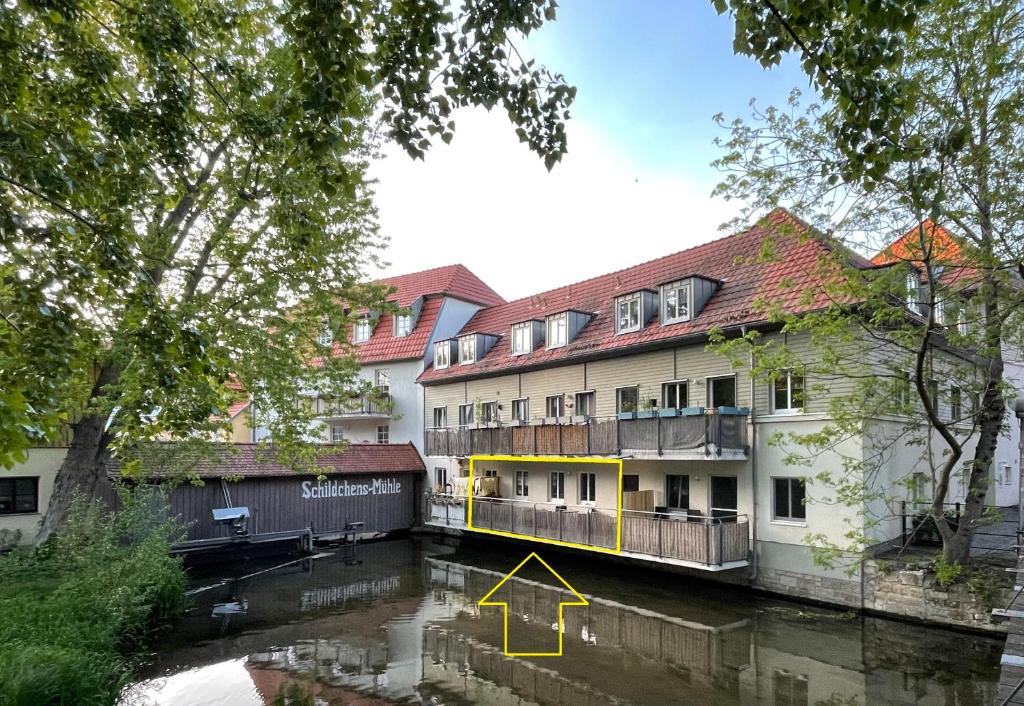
75 613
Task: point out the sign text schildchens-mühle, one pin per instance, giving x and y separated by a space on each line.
344 489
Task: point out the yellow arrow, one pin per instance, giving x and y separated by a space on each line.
580 600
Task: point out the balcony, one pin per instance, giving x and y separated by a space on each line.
719 435
711 543
375 406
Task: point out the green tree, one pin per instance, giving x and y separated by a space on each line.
955 164
176 177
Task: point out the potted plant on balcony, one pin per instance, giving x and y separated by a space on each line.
649 411
628 411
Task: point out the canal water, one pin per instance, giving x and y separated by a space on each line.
399 623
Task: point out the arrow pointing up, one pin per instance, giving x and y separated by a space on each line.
578 600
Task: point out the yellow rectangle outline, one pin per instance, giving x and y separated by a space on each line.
545 540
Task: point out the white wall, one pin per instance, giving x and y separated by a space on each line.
42 463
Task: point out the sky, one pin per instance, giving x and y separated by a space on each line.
636 182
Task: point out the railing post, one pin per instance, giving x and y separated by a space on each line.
561 435
903 522
707 542
618 436
721 531
660 524
587 425
534 450
590 540
560 528
659 434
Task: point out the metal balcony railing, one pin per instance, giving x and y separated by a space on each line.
376 405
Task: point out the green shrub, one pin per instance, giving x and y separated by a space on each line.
75 613
946 573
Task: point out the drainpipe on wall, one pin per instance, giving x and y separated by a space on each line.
1018 410
753 464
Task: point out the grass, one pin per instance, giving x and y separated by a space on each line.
76 613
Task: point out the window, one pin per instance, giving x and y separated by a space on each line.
788 392
337 434
912 291
630 483
382 378
383 434
19 495
722 392
627 313
467 350
789 689
522 338
677 492
362 331
932 389
955 404
627 399
489 412
490 473
554 406
588 488
440 416
442 349
940 312
585 404
901 392
558 486
521 410
558 330
465 414
677 303
440 477
675 395
522 484
789 499
326 336
403 324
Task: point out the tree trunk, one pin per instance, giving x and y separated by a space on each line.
83 469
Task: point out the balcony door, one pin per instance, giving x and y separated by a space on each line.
723 496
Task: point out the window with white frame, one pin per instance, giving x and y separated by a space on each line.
722 391
627 399
675 305
522 484
554 406
440 477
675 395
403 324
677 492
326 336
383 434
956 409
440 417
557 330
940 312
585 404
382 378
488 411
19 495
788 393
363 329
557 491
465 414
442 354
913 290
901 392
467 350
627 313
337 434
788 500
588 488
521 410
522 338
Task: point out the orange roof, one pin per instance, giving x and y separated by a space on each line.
907 248
451 280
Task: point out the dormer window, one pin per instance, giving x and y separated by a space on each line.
522 338
676 302
403 324
442 354
467 350
627 313
362 331
558 330
326 335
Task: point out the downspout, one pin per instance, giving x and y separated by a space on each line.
753 464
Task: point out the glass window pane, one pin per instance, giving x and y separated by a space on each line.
796 386
630 483
780 397
781 497
723 392
797 492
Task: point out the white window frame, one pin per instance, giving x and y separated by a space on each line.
403 325
467 350
326 335
337 434
362 330
618 398
561 406
788 375
665 386
442 354
561 322
521 409
443 417
956 403
790 519
489 411
522 347
521 483
557 481
382 380
383 434
629 301
466 419
913 291
588 491
709 385
576 403
675 288
440 477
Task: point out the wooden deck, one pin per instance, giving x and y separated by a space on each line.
705 434
707 541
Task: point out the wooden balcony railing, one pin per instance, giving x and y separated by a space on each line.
711 541
710 433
